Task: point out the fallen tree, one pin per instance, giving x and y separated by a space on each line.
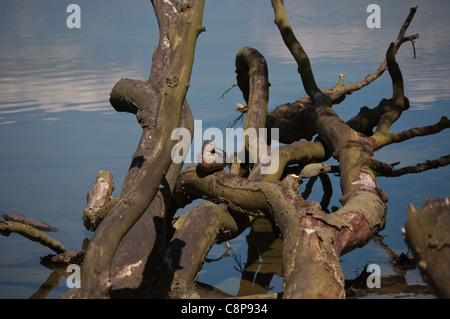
138 251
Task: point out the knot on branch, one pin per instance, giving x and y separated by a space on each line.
201 29
211 158
241 108
172 80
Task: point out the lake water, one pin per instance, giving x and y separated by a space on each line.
57 129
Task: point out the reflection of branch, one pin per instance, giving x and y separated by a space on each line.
400 263
238 261
208 260
51 283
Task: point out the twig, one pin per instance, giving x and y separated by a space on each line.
232 124
421 167
226 91
223 256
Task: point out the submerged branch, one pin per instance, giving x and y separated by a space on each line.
19 218
27 231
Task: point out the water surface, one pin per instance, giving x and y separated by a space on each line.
57 129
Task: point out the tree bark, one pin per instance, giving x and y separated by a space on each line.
195 233
137 197
138 250
313 239
427 233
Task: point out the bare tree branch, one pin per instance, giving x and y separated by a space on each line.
106 239
7 227
297 51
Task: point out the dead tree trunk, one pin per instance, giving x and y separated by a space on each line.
138 251
427 232
158 105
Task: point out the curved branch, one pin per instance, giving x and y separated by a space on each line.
294 115
421 167
27 231
299 54
252 79
443 124
195 233
398 97
100 253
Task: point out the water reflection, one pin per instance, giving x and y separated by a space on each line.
261 272
263 260
46 67
340 38
394 285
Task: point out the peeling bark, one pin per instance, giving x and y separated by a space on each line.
153 167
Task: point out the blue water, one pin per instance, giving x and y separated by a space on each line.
57 129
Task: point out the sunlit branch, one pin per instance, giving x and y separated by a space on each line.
421 167
444 123
297 51
7 227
